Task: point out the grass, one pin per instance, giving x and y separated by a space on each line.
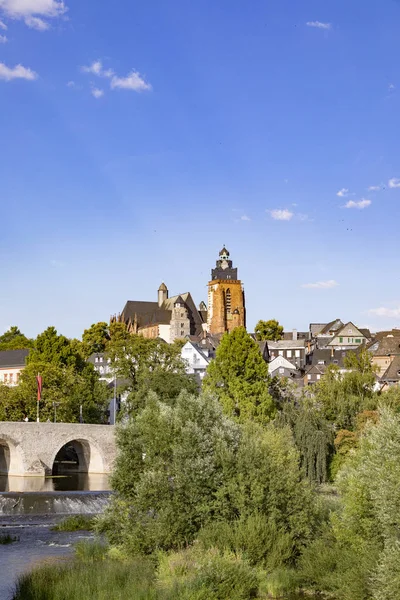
75 523
8 539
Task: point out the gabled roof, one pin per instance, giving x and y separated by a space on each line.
392 373
198 350
329 358
390 344
316 370
343 331
283 344
283 363
13 358
332 326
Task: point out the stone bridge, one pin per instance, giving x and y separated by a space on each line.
32 448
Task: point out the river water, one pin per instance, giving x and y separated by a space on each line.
30 506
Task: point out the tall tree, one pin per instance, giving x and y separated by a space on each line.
96 338
13 339
268 330
147 364
239 377
50 347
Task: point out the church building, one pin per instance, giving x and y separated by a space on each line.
178 317
226 300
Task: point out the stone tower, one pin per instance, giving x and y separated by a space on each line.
226 302
180 322
162 294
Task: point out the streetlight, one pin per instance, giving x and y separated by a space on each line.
55 404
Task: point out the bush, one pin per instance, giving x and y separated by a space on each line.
102 581
75 523
257 539
209 575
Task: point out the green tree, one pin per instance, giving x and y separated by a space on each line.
49 347
95 339
313 436
184 466
145 364
69 388
238 377
13 339
269 330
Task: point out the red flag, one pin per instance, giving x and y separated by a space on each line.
39 387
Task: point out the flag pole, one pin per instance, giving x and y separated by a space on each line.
39 395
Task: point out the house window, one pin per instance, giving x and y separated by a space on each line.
181 315
281 371
308 377
182 333
318 376
11 378
341 340
228 299
358 341
5 377
182 324
350 331
96 359
289 353
297 353
280 352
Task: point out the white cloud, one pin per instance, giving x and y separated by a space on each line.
17 72
37 23
392 87
3 26
360 204
394 183
31 11
343 193
134 81
97 93
96 68
71 84
374 188
3 39
319 25
245 218
281 214
383 311
321 285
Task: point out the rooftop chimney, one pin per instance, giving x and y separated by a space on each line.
295 335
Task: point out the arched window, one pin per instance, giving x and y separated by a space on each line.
228 300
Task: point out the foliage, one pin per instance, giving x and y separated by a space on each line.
13 339
313 436
343 396
68 380
75 523
238 377
146 364
209 575
58 350
6 539
95 339
269 330
184 466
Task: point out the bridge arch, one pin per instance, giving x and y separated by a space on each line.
11 459
79 456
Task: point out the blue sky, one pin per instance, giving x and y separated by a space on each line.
138 137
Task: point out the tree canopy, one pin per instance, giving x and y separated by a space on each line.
268 330
13 339
238 377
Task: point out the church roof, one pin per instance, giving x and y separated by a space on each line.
150 313
163 288
224 251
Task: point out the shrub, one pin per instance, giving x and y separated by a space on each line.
75 523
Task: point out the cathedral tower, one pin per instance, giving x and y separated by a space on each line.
226 303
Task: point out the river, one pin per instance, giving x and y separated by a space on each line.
30 506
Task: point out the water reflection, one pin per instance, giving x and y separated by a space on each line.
75 482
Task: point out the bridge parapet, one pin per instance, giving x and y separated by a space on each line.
31 448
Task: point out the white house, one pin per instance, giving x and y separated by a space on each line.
196 359
12 362
281 367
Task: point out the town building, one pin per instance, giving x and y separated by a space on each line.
281 367
196 359
384 349
168 318
12 363
226 299
294 350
